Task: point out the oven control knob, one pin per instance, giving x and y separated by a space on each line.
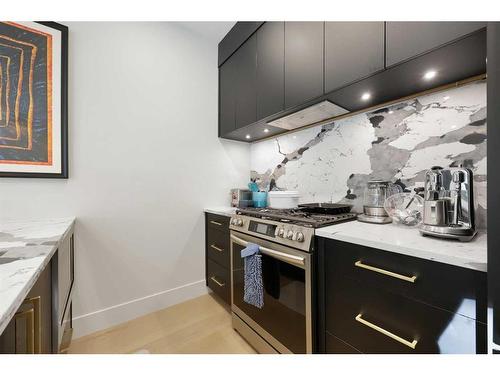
233 222
239 222
299 236
289 235
281 232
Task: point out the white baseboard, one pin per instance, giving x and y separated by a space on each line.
111 316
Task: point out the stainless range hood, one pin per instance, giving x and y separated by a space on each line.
310 115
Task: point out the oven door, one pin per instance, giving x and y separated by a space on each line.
284 321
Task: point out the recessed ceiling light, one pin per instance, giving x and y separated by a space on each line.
446 97
366 96
266 130
430 74
247 136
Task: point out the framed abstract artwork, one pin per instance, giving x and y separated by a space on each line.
33 99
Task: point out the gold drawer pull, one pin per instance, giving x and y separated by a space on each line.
411 344
384 272
217 248
217 281
29 316
38 322
215 222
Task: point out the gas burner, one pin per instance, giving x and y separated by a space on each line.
298 216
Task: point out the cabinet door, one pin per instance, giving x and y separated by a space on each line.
246 87
227 94
353 50
405 40
30 330
270 69
40 298
303 62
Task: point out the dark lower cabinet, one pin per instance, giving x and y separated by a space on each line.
43 322
374 301
353 50
217 256
303 62
336 345
270 69
30 330
218 279
405 40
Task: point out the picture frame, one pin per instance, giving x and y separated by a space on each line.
38 146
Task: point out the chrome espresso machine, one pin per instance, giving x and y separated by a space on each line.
449 204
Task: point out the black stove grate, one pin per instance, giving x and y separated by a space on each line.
296 216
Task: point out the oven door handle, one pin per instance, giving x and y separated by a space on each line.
287 258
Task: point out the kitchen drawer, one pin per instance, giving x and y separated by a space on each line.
455 289
334 345
218 279
355 309
218 247
217 222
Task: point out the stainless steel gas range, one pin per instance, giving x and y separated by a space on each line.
286 242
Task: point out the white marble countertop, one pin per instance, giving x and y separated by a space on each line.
26 247
221 210
409 241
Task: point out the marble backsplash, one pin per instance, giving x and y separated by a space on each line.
333 162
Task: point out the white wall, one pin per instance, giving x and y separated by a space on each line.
144 161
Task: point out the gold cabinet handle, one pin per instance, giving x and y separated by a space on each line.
411 344
217 281
29 315
38 322
215 222
385 272
217 248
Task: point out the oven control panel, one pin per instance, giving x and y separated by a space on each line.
287 234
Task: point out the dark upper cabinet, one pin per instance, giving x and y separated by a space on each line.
245 59
273 69
227 95
270 69
353 50
304 62
240 32
405 40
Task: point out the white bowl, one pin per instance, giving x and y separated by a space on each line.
283 199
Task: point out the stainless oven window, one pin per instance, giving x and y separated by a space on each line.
285 312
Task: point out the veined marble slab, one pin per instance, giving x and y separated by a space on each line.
224 211
26 247
409 241
333 162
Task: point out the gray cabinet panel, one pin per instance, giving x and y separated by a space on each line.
236 37
493 153
353 50
270 69
303 61
246 83
405 40
227 94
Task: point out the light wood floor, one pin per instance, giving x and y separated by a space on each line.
198 326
